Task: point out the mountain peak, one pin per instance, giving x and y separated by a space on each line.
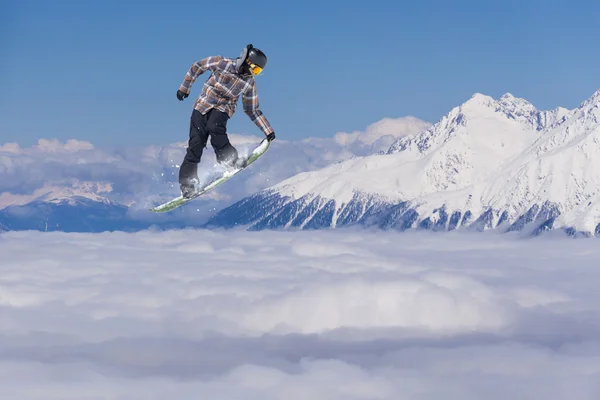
509 97
480 99
483 120
508 104
70 194
515 105
593 100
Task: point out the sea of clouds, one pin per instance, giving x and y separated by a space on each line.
345 314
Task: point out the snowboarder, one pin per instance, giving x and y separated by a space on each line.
229 79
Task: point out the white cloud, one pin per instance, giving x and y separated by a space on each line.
241 315
10 148
78 166
387 128
408 303
55 146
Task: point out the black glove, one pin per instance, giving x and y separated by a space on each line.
181 95
271 136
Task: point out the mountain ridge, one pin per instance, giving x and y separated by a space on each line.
487 164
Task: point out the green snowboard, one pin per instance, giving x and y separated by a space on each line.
179 201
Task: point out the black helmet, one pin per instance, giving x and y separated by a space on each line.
251 55
257 57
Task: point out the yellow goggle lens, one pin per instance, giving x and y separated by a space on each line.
255 69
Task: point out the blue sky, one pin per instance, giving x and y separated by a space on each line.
107 72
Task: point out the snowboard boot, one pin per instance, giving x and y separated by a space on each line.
240 163
189 188
230 163
227 157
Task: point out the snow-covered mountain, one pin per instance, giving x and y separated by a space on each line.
88 213
487 164
69 214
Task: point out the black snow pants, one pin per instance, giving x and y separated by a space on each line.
213 124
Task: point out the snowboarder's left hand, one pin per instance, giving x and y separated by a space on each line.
181 95
271 136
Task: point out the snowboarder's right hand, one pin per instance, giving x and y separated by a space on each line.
181 95
271 136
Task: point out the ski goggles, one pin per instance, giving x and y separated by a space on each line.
255 69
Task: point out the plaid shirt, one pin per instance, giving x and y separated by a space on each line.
222 90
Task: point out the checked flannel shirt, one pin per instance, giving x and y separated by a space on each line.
223 88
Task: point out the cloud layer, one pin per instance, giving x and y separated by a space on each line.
284 315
